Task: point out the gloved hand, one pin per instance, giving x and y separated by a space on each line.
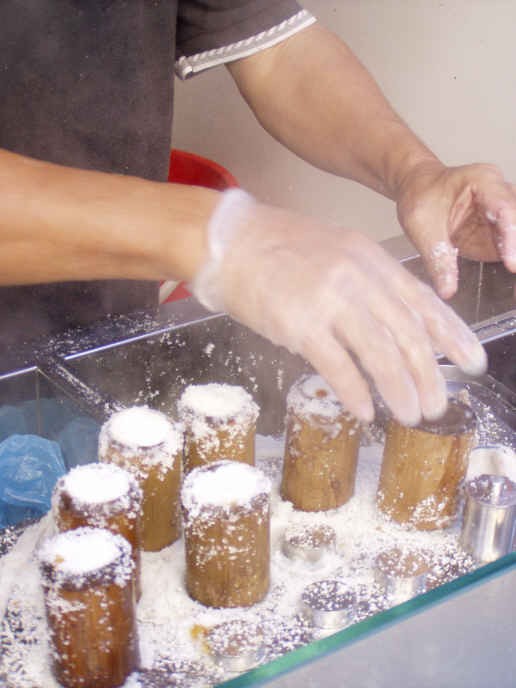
332 295
469 210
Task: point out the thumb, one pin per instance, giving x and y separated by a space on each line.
440 259
430 235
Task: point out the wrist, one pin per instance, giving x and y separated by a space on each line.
413 168
228 218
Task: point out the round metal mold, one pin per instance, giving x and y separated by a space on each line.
329 604
282 635
181 674
401 574
489 521
370 601
309 543
235 646
491 460
452 563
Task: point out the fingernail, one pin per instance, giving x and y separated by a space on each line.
436 408
446 286
409 417
364 412
476 362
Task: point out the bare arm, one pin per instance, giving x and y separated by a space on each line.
59 223
313 95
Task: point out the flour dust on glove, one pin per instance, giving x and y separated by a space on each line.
335 296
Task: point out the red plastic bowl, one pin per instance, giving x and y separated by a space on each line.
188 168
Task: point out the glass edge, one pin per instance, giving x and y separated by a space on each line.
320 648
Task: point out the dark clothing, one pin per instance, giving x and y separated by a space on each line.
89 84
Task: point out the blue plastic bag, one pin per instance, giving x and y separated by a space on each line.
29 469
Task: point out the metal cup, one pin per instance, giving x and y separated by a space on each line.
489 522
235 646
310 543
328 604
401 574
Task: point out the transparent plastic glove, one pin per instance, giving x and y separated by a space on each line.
334 296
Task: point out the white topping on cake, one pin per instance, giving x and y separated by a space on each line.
312 396
82 551
223 484
96 483
145 439
139 426
219 402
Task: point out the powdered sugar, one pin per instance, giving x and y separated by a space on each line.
224 484
139 426
312 396
172 626
79 552
217 402
95 483
443 261
141 439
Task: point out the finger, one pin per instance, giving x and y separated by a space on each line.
499 203
414 342
450 335
440 259
431 237
335 365
380 357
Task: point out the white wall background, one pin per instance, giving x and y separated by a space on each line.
448 67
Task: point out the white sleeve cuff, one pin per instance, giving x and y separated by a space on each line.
186 67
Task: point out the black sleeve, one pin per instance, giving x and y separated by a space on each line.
211 32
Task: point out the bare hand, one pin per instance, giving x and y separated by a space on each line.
468 210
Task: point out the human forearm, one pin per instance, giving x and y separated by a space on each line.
313 95
58 224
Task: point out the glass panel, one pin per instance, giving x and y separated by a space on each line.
155 370
30 404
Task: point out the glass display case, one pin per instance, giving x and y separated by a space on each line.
450 635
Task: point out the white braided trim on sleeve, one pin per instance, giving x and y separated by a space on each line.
186 67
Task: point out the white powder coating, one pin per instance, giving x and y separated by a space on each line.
499 460
139 426
312 396
166 620
223 484
443 258
96 483
219 402
82 551
144 438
